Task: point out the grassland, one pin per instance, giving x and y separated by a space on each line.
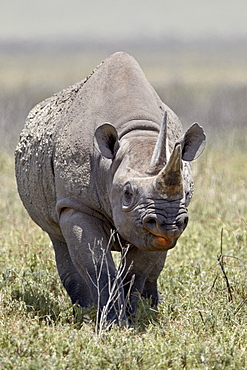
202 321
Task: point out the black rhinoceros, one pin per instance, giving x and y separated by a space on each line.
101 156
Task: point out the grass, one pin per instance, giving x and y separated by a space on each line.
196 326
202 321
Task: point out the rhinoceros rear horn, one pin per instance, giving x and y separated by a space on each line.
159 157
169 180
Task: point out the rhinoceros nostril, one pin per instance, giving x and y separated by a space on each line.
150 223
182 222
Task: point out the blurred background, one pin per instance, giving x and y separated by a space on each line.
193 52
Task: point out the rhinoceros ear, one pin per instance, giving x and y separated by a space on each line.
193 142
107 139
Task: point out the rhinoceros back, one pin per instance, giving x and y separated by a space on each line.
34 158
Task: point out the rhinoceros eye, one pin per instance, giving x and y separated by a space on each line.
128 195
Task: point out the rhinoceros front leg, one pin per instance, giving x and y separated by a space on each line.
144 270
73 282
87 239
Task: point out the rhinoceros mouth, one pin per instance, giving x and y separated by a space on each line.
160 243
160 240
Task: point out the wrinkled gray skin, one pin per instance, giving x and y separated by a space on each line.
80 179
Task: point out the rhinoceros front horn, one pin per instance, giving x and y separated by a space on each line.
169 180
159 157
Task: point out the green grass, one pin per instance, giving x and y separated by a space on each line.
198 325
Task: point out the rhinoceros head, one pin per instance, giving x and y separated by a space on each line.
149 198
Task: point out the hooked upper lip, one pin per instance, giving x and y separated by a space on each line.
162 243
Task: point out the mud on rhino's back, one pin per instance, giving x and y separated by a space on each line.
34 157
